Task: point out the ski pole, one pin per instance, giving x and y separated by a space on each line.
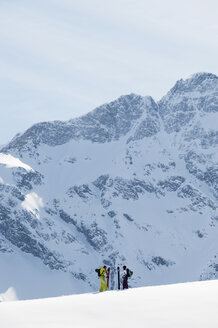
118 274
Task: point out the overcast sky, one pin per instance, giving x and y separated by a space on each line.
62 58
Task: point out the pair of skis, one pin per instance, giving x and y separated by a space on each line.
118 276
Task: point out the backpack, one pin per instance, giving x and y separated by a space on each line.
129 273
98 272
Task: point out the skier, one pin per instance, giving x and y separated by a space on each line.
126 275
103 282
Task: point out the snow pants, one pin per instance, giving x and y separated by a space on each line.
125 282
103 284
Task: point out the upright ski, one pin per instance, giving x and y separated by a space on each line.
108 275
118 275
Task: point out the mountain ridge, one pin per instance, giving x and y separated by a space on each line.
105 117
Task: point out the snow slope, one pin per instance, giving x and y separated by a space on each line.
190 305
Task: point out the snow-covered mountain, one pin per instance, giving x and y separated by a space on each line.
133 182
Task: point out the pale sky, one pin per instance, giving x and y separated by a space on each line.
59 59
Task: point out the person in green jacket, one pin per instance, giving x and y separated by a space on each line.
103 282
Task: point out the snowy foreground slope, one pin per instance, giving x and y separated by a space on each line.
132 182
190 305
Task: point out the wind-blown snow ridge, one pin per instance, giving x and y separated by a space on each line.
11 161
9 295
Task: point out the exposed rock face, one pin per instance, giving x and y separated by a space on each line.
187 98
104 124
132 182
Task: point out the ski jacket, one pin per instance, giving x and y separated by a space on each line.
127 273
102 272
124 274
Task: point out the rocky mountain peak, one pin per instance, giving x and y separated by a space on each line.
116 119
201 77
104 124
198 82
186 98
